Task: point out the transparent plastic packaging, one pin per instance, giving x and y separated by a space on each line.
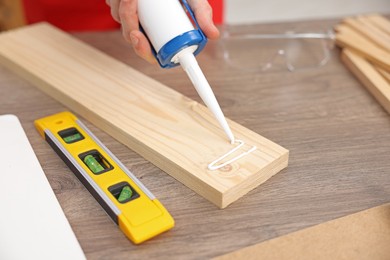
262 52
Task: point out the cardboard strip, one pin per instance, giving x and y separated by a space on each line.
360 236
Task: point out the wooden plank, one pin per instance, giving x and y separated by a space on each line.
379 21
175 133
369 76
363 235
347 37
384 73
370 31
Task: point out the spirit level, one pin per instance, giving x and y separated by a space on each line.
126 200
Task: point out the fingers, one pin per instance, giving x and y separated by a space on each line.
128 17
141 46
130 28
114 5
128 14
204 16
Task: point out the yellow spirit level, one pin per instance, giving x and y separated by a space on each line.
126 200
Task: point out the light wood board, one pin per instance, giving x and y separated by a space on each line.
366 52
384 73
173 132
347 37
375 83
378 21
363 235
370 31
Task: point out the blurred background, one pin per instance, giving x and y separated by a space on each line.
75 15
258 11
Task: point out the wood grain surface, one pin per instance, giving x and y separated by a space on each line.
371 37
384 73
371 31
175 133
349 38
337 134
378 21
371 78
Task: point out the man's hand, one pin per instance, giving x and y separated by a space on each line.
125 12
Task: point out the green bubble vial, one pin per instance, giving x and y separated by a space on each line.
72 138
125 194
93 164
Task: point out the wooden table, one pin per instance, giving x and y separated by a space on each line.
337 134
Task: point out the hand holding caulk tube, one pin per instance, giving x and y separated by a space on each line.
174 39
126 13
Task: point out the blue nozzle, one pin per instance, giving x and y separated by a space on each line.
187 39
174 46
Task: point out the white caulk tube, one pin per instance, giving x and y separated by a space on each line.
175 41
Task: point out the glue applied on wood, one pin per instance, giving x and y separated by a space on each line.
175 133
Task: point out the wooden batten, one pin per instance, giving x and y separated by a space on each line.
175 133
347 37
375 83
365 40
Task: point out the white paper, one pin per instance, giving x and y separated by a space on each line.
32 223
